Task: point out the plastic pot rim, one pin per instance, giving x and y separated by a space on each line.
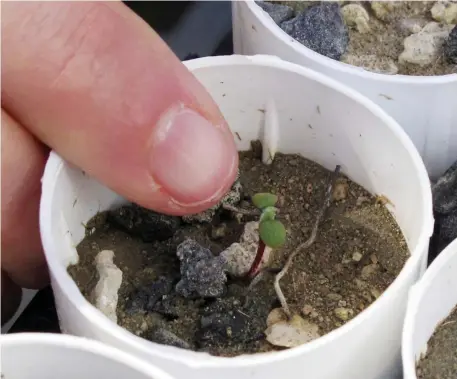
415 296
342 67
203 360
83 344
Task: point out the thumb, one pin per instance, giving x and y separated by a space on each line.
96 84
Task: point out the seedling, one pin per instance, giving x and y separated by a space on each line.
272 232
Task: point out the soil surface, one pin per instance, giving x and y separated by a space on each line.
384 42
358 252
440 361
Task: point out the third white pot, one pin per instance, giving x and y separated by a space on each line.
45 356
426 107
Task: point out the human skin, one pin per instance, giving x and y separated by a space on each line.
92 81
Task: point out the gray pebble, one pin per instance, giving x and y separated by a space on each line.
202 274
231 198
450 46
278 12
448 229
320 28
166 337
145 299
445 210
445 191
144 223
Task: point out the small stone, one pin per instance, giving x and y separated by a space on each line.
166 337
360 284
343 313
239 257
382 9
218 232
334 296
375 293
277 12
314 314
355 15
340 190
445 11
275 316
373 63
231 198
144 223
292 333
320 28
448 228
107 288
307 309
368 270
450 47
202 274
144 299
342 303
445 191
374 258
362 200
357 256
423 48
412 25
222 321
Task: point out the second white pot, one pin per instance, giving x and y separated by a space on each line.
426 107
347 129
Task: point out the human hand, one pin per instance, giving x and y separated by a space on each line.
93 82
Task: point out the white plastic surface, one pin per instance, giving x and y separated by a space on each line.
324 121
54 356
426 107
431 300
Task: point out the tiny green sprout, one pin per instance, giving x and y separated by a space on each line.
272 233
264 200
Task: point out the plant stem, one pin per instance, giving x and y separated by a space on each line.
254 270
305 244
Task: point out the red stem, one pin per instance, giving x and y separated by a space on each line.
254 270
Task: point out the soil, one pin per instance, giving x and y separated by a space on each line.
358 252
440 361
385 38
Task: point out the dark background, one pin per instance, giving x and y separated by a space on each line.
192 29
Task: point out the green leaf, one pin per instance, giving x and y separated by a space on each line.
272 233
263 200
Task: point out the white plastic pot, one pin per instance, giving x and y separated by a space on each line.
46 356
304 112
426 107
431 300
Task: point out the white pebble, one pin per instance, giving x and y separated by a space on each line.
292 333
445 11
382 9
238 257
275 316
356 15
423 48
106 290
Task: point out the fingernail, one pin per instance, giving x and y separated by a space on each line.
193 160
